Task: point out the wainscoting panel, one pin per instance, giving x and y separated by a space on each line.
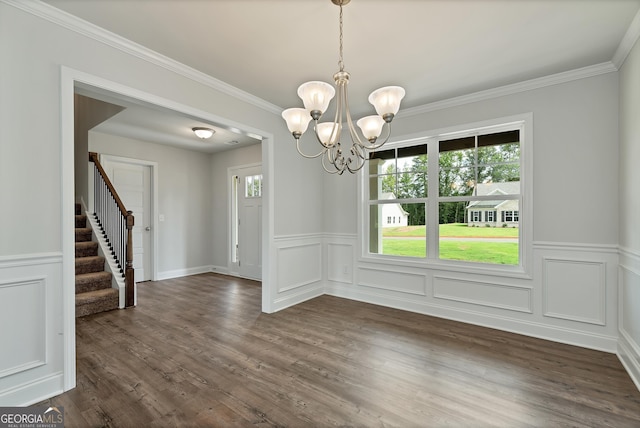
340 262
403 282
22 303
31 328
299 265
483 293
574 290
629 315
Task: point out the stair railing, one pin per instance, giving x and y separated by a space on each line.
116 224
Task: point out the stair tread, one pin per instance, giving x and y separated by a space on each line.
92 276
88 259
86 244
91 296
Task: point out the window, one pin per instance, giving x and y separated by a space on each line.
454 188
510 216
253 186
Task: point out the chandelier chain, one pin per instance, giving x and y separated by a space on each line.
341 62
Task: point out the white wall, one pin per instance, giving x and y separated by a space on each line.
37 45
184 199
570 291
629 173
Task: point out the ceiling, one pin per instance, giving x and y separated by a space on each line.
435 49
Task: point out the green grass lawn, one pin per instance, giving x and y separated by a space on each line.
459 230
472 251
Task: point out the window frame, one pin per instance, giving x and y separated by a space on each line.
523 123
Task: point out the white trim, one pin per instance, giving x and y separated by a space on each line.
69 79
572 246
99 34
522 122
33 392
628 354
628 252
67 155
628 41
178 273
568 336
110 259
602 290
92 31
30 259
528 289
293 299
515 88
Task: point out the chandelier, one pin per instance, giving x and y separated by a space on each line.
316 97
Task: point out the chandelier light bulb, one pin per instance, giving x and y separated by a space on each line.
387 100
329 133
316 96
371 127
297 120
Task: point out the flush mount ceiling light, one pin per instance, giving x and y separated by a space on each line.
203 133
316 97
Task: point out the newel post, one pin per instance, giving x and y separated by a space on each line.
128 274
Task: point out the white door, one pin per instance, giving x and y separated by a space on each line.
133 184
248 218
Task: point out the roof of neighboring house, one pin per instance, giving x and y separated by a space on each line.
508 188
391 195
487 189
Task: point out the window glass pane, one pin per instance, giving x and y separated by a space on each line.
382 177
489 234
457 181
253 186
412 185
401 177
398 229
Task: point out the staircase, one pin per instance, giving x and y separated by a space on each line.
94 293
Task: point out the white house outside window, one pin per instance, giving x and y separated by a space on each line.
462 194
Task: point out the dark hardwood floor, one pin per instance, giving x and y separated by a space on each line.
197 351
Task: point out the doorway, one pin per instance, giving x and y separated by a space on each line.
133 180
245 252
72 81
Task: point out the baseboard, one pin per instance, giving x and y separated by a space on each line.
629 355
223 270
293 299
33 392
169 274
542 331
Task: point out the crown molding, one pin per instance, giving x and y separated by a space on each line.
628 41
73 23
80 26
527 85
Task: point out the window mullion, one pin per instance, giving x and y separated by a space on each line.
433 192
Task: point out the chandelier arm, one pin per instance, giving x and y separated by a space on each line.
354 170
355 138
335 169
308 156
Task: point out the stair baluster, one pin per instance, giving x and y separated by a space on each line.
116 224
